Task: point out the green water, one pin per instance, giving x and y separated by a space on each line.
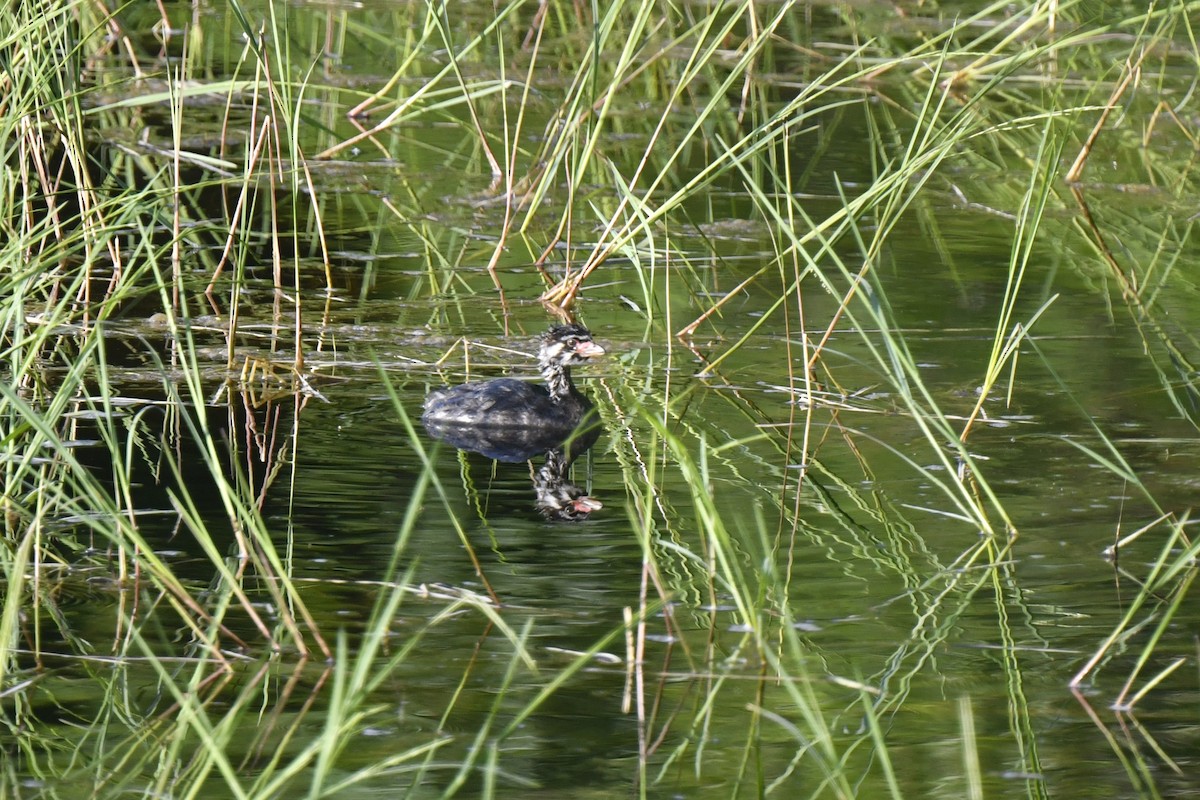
863 552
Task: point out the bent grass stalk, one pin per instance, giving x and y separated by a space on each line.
620 227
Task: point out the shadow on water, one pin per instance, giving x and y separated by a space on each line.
555 496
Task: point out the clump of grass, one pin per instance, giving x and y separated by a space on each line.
91 232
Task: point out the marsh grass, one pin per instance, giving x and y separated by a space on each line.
232 684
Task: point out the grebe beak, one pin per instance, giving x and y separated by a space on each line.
586 505
588 350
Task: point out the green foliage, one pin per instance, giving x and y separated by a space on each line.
186 199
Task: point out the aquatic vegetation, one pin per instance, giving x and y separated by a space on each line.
897 305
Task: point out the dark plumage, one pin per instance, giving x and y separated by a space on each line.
514 417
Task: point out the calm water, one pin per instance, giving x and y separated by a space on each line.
871 543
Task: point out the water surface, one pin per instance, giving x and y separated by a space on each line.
855 537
